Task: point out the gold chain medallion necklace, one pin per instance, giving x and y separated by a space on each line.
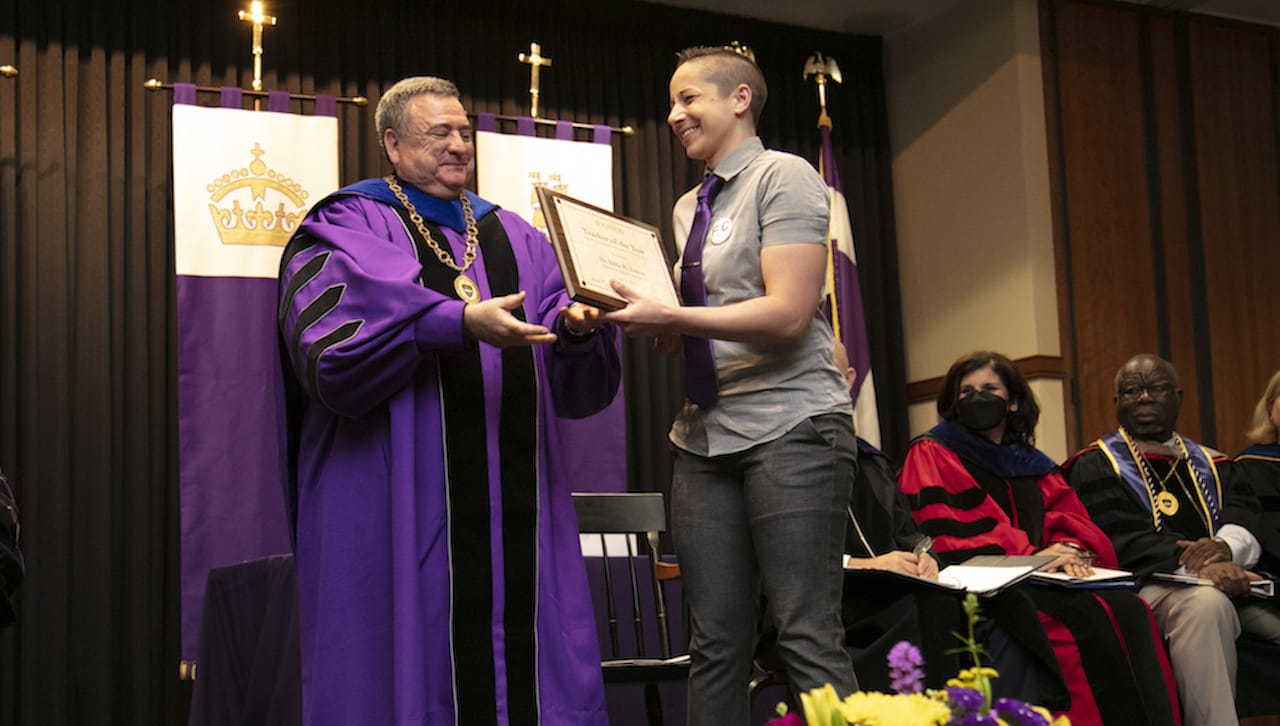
463 285
1164 500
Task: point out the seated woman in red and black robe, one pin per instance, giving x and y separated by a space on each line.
878 613
978 486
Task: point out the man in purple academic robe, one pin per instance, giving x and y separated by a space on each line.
439 575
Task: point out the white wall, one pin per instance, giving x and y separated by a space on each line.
971 196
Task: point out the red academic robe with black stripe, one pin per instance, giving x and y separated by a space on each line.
970 509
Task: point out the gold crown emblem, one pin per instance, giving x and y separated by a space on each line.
554 183
256 225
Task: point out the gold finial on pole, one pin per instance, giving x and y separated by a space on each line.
256 16
8 71
536 60
823 68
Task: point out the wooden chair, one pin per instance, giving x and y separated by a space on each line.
644 654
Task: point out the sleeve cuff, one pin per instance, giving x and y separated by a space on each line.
1245 550
439 331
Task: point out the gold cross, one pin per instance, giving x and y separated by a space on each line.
255 15
536 60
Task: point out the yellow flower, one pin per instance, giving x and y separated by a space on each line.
869 708
819 704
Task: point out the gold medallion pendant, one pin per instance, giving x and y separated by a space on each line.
466 289
1167 504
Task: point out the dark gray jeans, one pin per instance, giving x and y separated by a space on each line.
768 520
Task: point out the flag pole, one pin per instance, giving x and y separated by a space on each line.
822 68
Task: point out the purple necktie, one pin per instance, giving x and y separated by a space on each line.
699 358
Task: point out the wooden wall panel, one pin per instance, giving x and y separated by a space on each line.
1235 120
1104 175
1166 68
1166 192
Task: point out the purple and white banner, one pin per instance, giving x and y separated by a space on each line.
844 300
509 167
242 182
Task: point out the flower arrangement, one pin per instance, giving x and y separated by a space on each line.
966 701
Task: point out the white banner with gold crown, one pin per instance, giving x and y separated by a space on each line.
242 181
509 169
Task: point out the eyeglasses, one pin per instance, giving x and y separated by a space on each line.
1133 392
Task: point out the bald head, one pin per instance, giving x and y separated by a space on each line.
1148 397
1145 361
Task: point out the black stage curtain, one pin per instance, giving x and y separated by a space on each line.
87 381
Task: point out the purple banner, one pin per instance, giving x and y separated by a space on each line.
184 93
232 97
326 105
231 500
846 295
592 451
278 101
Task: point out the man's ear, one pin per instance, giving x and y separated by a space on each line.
391 143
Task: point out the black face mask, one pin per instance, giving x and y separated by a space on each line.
980 411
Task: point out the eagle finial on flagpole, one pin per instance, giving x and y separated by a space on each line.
823 67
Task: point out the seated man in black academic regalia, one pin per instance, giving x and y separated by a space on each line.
1170 505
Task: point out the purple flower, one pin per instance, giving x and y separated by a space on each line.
905 673
790 719
978 719
965 700
1018 712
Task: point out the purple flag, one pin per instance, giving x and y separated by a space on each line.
242 183
844 300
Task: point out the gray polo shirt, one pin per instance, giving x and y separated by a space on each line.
769 198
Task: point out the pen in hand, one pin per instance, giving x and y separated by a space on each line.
923 546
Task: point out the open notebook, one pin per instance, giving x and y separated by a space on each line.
982 575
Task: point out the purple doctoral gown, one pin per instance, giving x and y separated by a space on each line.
439 574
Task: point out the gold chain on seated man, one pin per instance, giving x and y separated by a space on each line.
463 285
